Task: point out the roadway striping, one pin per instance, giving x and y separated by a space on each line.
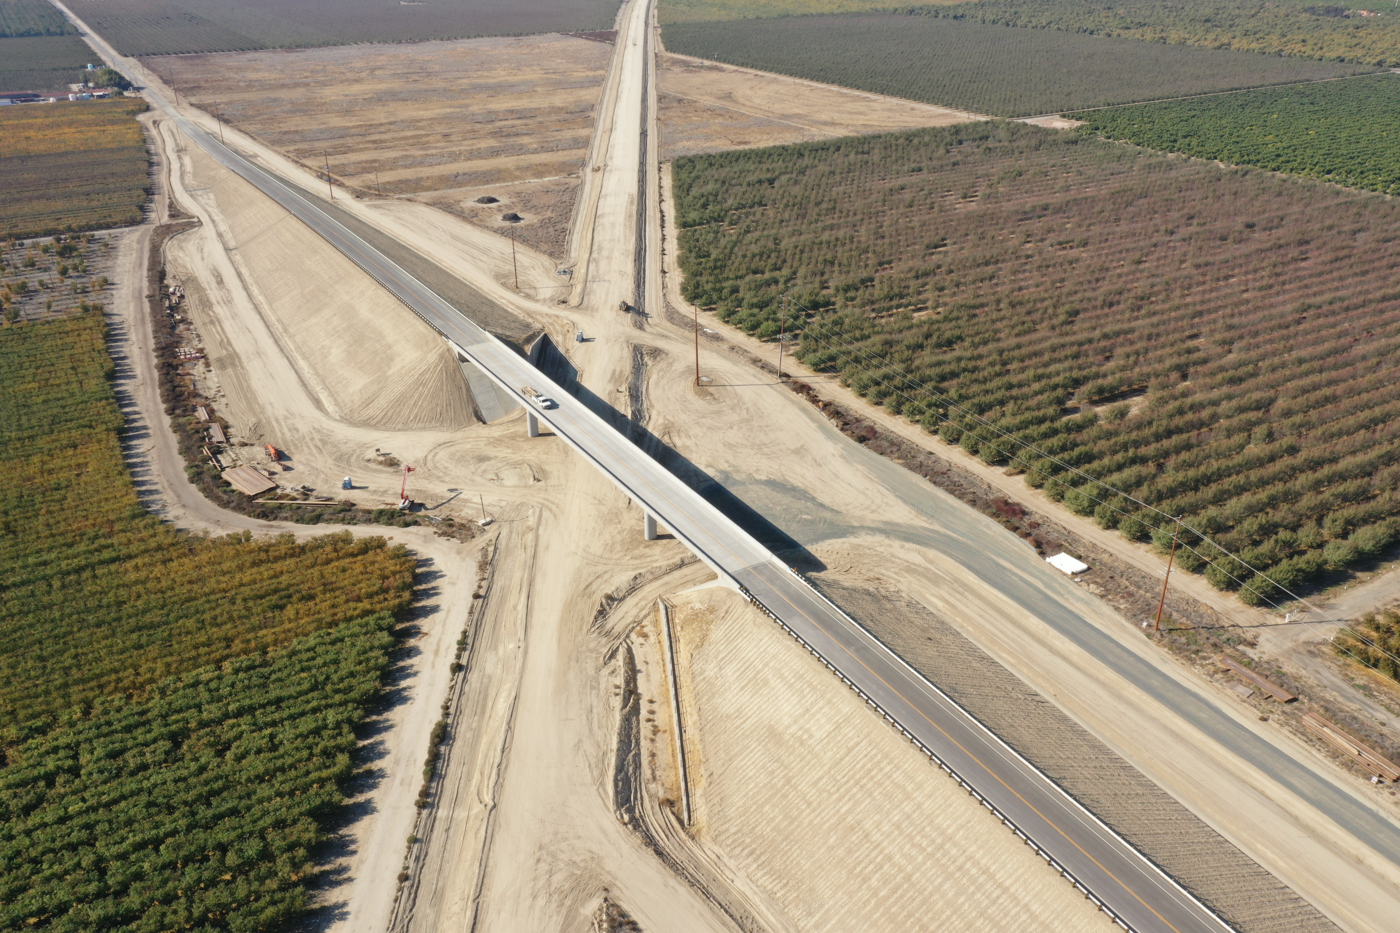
980 763
1136 893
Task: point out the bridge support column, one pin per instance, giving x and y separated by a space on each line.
648 526
532 424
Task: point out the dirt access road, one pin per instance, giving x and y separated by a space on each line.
792 466
368 848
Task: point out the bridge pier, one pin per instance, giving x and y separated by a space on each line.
532 424
648 526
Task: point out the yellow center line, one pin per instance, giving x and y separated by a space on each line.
1049 822
980 763
367 261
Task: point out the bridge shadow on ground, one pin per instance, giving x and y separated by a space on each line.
553 363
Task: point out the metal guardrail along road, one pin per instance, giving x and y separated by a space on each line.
1134 892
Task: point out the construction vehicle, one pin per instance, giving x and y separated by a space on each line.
405 503
624 307
273 453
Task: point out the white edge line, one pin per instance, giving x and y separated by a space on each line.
999 741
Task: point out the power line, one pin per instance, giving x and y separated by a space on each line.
886 366
1243 584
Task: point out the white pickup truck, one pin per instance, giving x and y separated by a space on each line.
539 399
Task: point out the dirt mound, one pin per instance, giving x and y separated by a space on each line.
375 363
789 761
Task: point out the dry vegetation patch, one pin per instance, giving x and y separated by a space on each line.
54 277
448 123
709 107
156 27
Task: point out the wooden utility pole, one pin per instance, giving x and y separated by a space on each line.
329 187
696 309
514 267
1176 532
378 190
782 334
219 119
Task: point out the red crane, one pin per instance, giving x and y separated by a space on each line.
404 502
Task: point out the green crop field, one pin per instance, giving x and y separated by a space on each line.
72 166
32 18
1346 132
158 27
984 68
47 64
196 807
176 712
1222 344
1302 28
689 11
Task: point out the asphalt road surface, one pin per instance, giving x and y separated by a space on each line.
1106 867
1131 889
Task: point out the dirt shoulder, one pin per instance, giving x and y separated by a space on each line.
710 107
1073 646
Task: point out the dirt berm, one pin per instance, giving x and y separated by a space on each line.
1205 863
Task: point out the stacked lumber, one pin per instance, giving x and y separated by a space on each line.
1348 744
248 480
1244 673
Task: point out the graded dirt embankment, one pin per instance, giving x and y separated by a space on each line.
789 760
446 123
1118 793
366 850
709 107
371 369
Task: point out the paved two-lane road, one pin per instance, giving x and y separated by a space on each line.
1137 893
1133 889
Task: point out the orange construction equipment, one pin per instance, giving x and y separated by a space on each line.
405 502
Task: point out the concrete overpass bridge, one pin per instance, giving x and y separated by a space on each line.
1133 891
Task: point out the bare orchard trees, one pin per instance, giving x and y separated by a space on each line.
1120 326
